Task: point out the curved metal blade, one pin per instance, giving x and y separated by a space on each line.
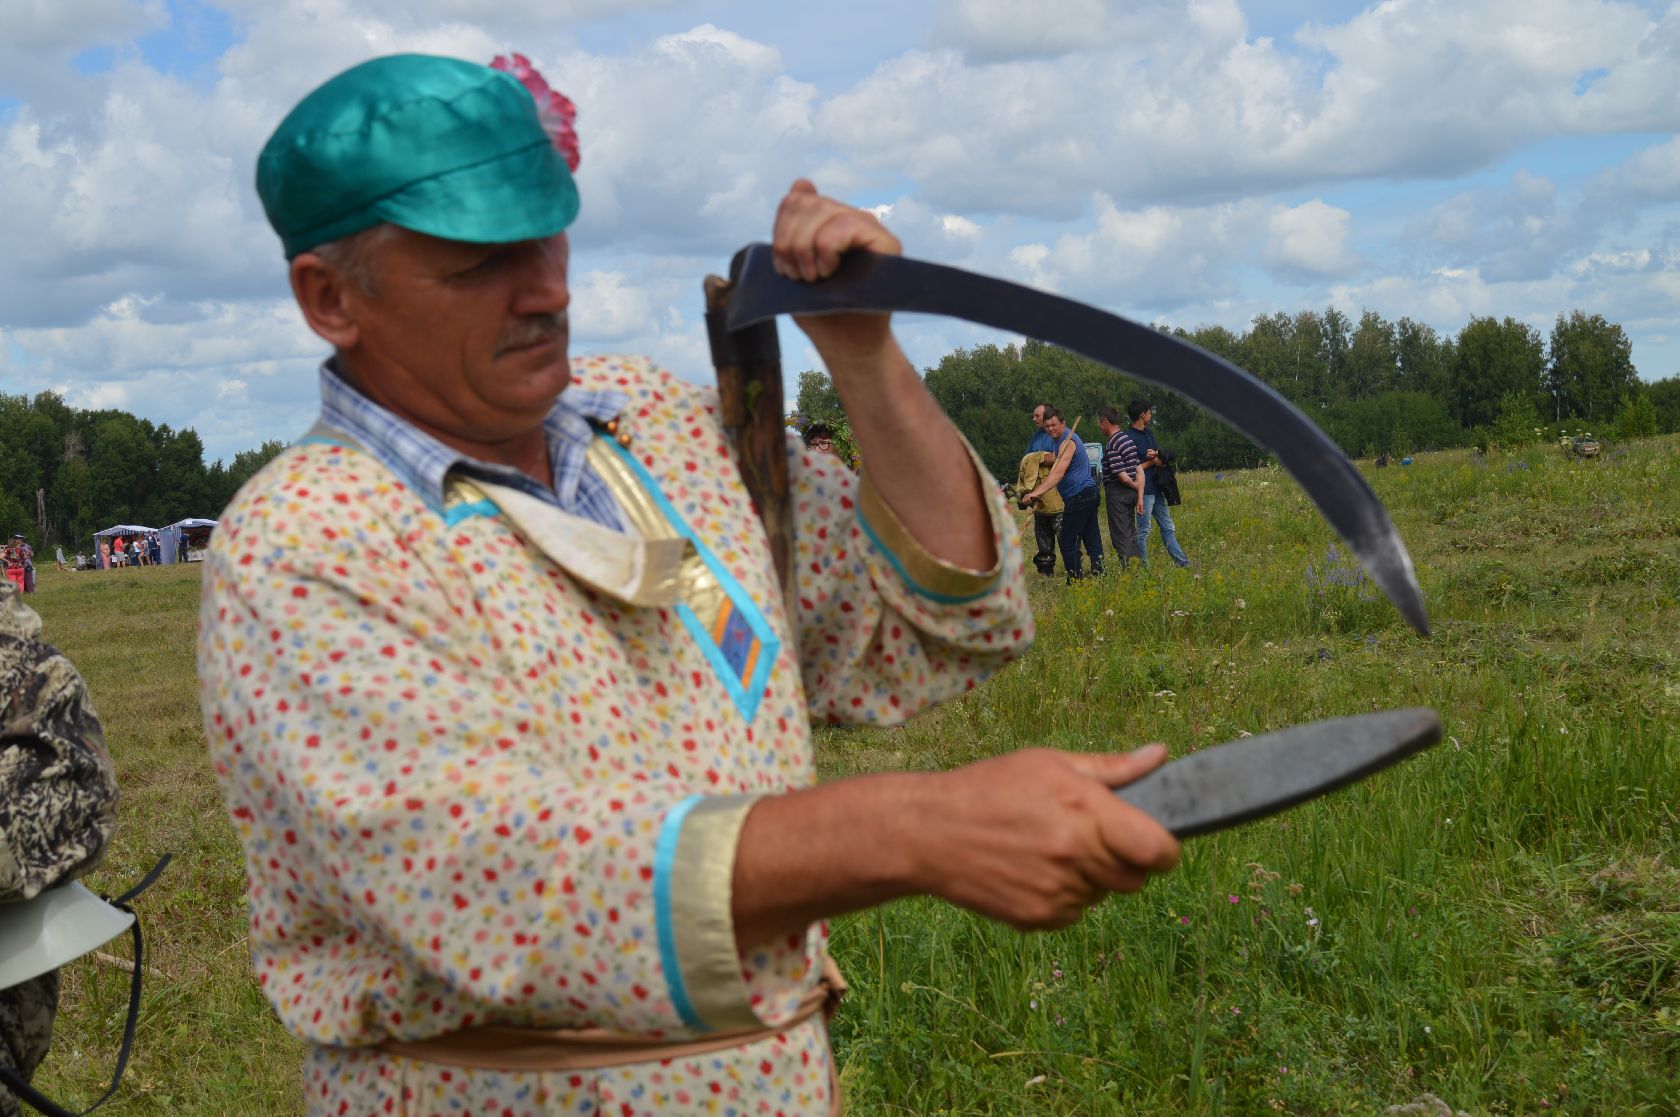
869 282
1257 776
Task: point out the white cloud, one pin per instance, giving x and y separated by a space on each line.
59 27
1000 29
1309 240
1405 87
1156 157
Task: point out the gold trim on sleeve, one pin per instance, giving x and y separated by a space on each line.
925 573
702 898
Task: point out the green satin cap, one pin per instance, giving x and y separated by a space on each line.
441 146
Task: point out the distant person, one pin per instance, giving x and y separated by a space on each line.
154 550
1122 483
119 552
59 554
1154 501
1046 510
1050 506
1040 440
12 559
104 555
1071 476
26 555
820 437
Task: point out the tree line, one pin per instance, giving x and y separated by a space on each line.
1375 386
66 473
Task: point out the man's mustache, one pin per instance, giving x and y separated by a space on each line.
530 330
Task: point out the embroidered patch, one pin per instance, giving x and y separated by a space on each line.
729 627
737 641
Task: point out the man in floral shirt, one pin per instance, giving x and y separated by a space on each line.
506 702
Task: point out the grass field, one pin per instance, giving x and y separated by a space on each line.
1496 922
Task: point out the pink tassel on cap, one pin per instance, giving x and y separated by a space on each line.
554 108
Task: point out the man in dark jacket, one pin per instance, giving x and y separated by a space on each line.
1155 501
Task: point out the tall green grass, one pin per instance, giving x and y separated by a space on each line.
1495 922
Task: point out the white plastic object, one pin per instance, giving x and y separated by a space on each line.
57 926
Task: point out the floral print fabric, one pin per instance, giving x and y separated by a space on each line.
450 764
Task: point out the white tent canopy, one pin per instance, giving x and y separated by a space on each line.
112 532
172 538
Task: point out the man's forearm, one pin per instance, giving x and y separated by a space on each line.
814 854
1032 837
914 456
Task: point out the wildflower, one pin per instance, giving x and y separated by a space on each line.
1313 922
1235 1011
1232 899
1036 1080
1294 889
1108 612
1241 604
1181 612
1241 733
1184 920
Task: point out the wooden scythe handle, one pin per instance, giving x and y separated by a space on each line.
749 377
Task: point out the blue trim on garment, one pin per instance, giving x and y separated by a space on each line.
749 696
904 575
664 857
467 511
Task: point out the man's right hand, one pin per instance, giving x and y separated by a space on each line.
1034 838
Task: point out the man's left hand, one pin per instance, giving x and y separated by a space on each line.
812 233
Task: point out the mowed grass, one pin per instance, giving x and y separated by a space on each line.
1495 922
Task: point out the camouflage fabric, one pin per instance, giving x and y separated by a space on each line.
26 1020
58 804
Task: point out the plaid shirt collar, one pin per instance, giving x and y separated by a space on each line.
424 463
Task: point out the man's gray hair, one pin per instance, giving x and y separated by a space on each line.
352 256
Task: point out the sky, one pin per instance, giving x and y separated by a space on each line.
1185 163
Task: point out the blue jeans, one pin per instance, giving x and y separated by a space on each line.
1155 506
1079 526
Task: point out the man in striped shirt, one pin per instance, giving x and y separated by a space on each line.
1122 485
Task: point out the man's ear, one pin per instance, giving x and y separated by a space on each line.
325 298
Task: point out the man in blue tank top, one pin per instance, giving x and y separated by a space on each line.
1071 476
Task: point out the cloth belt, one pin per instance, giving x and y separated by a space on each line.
507 1048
